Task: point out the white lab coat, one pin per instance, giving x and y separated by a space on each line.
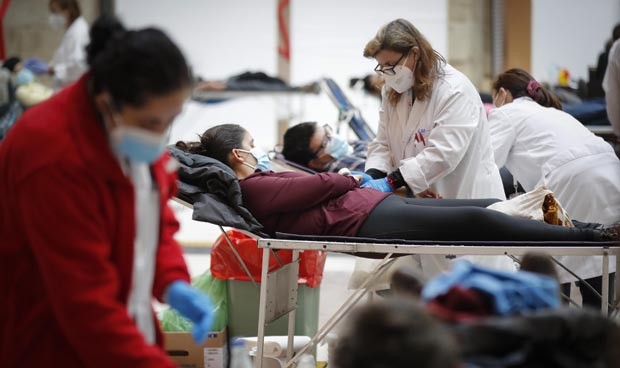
611 85
443 144
546 146
69 61
147 217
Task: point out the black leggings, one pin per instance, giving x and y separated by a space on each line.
458 219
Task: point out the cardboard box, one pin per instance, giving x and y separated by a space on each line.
183 351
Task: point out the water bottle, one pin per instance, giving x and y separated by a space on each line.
239 357
306 361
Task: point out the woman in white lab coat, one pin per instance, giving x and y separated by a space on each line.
433 137
69 61
542 145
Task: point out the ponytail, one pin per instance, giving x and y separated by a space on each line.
521 84
217 142
132 65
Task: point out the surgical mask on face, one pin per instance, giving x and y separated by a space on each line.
24 76
338 147
57 21
136 144
402 79
263 163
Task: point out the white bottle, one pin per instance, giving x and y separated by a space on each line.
306 361
239 357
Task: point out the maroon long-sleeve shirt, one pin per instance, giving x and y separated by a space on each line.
320 204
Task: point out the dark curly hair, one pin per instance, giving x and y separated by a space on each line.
297 143
395 333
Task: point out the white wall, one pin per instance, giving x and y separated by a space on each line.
221 38
570 34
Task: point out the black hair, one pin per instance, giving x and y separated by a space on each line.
297 143
133 65
615 34
216 142
11 63
395 333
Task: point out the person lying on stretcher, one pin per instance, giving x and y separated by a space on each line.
321 149
336 205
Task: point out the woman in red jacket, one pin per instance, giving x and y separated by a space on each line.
333 204
87 237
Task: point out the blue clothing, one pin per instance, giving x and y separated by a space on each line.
510 292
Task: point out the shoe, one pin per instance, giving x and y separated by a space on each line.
611 232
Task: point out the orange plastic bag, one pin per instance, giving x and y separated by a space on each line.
225 266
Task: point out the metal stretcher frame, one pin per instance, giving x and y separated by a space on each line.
269 245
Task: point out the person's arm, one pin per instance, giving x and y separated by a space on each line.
611 84
503 135
379 156
456 121
265 195
70 236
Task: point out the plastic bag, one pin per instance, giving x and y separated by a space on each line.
225 265
538 204
216 289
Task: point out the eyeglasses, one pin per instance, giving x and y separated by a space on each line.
389 70
326 139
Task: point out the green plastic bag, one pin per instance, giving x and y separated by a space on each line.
171 321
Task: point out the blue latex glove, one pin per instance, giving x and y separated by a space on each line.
365 177
193 305
381 185
36 65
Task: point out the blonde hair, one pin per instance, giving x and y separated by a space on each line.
401 36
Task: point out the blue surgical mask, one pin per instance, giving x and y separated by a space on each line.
338 147
138 145
263 162
24 76
133 143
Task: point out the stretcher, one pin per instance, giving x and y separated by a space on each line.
278 289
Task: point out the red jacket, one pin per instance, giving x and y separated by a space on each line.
320 204
66 255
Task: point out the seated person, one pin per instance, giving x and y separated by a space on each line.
334 204
319 148
395 333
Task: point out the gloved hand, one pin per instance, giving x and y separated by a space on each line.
193 305
36 65
365 177
381 185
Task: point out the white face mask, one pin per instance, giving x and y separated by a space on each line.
402 79
57 21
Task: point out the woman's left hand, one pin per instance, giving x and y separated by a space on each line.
428 194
